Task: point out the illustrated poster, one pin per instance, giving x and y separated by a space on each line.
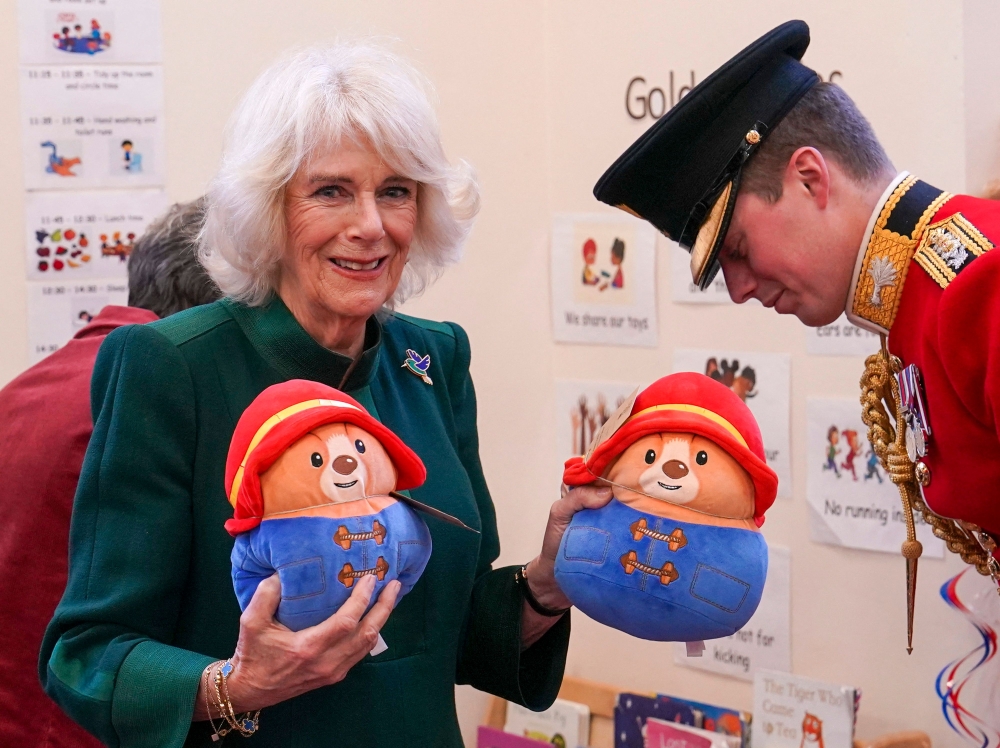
582 408
603 280
765 640
75 32
841 339
88 234
57 311
763 382
852 502
97 126
683 289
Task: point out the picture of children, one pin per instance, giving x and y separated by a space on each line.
872 466
854 449
133 160
832 438
743 384
80 42
617 258
589 258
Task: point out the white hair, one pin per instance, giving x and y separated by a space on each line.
308 103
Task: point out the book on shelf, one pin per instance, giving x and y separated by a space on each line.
795 712
660 734
632 710
717 718
565 724
489 737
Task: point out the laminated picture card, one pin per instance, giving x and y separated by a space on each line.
794 712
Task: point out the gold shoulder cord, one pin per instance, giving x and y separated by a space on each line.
879 398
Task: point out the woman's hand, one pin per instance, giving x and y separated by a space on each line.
541 570
273 664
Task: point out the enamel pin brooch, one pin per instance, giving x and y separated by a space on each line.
417 364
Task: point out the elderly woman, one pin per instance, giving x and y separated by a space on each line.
333 204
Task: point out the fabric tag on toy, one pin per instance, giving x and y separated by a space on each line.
695 649
615 422
380 646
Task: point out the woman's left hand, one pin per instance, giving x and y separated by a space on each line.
541 570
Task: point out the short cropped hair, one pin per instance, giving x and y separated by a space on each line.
164 274
827 119
307 103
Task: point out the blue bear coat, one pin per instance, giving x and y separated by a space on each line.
710 587
317 572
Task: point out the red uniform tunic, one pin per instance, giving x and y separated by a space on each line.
45 425
939 300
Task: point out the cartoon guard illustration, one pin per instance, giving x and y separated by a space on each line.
309 473
677 555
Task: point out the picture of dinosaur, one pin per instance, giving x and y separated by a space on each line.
59 165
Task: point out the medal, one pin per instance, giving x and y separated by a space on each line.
417 364
917 426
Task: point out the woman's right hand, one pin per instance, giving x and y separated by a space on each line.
273 664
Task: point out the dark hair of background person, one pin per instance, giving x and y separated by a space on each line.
828 120
164 274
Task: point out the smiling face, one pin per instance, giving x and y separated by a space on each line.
350 219
334 464
686 477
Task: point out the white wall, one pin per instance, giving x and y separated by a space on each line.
532 93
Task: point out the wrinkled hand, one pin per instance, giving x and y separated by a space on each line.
273 664
541 575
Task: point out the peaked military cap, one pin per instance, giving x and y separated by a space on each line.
683 173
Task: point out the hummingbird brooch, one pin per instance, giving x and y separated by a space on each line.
417 364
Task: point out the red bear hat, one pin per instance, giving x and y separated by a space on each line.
277 418
694 404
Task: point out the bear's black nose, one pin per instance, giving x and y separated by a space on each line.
345 465
671 468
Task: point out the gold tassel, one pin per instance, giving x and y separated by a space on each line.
879 397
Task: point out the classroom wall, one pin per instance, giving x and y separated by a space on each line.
532 94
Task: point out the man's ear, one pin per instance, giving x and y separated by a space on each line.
808 173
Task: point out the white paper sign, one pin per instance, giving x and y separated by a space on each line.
841 339
765 641
581 409
96 126
78 32
683 289
70 235
57 311
762 380
603 280
794 712
852 502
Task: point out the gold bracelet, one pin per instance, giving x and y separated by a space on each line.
217 732
246 724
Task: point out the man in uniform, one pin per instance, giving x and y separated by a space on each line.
776 178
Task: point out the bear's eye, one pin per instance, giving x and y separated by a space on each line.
650 456
360 446
701 458
317 459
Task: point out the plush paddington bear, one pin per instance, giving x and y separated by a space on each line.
677 555
309 475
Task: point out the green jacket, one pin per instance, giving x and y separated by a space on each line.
149 601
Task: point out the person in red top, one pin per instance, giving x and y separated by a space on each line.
773 176
45 425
